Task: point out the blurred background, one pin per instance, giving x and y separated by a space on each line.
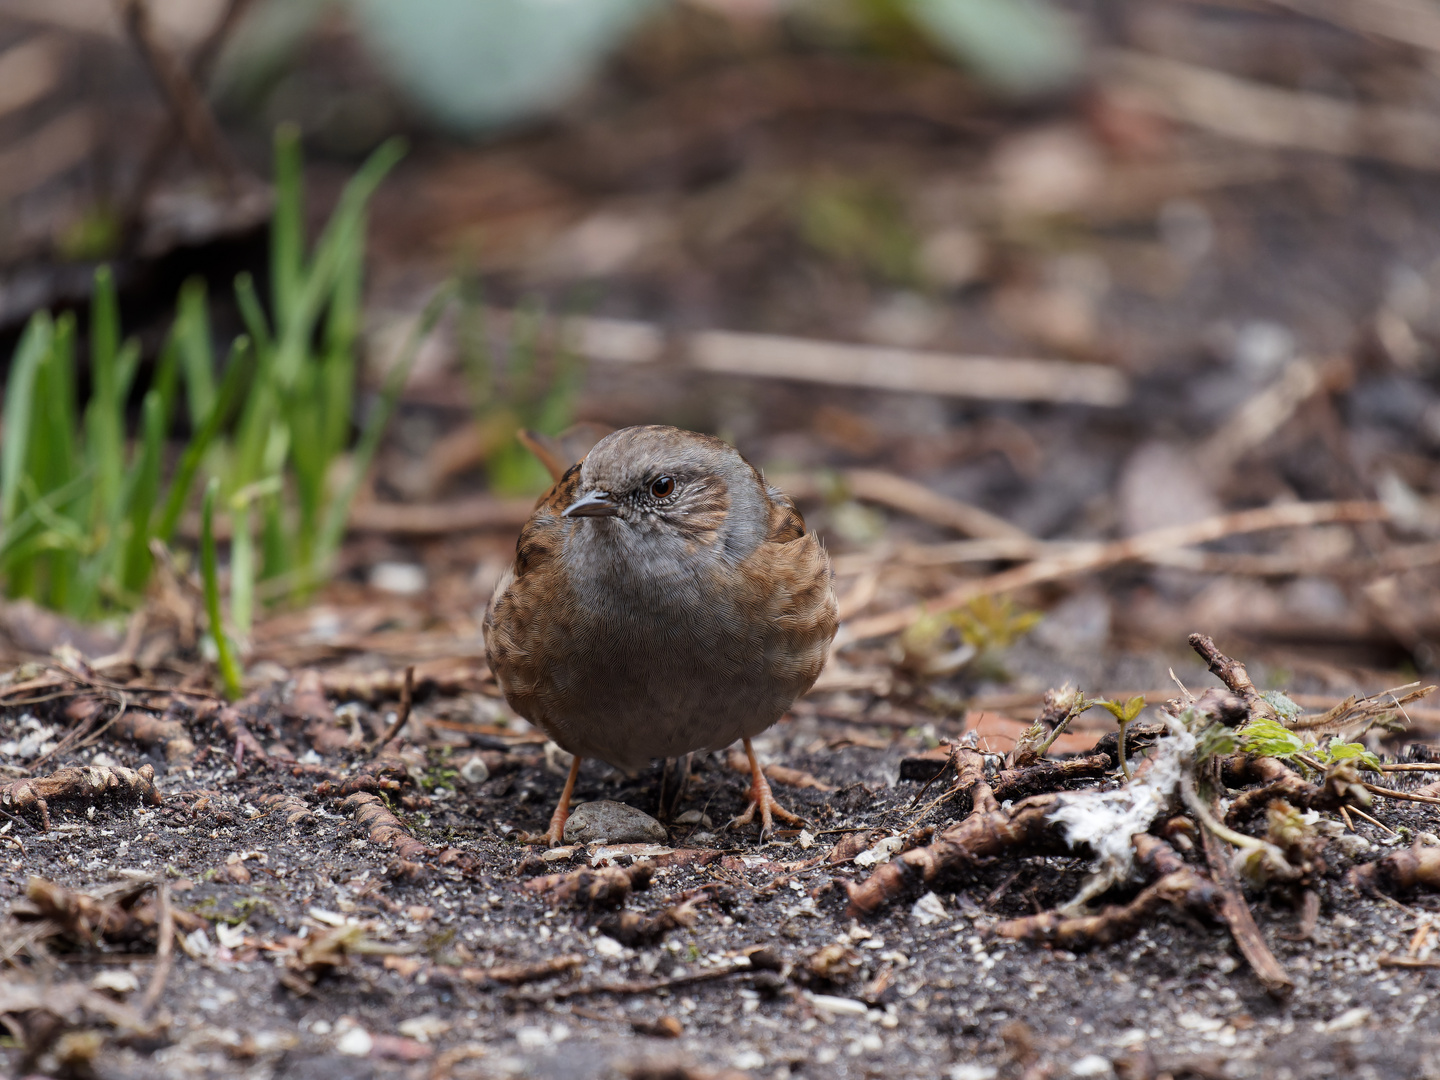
986 283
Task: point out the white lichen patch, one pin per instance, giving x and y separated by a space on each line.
1105 821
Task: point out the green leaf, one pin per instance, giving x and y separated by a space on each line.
1272 739
210 577
226 399
1216 740
1284 708
287 225
192 337
1338 751
35 346
140 503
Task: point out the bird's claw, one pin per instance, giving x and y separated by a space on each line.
552 837
762 800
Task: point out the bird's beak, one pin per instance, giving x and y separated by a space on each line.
595 503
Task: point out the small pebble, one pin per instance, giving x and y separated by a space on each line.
354 1043
612 822
403 579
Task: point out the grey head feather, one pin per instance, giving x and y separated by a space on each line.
717 511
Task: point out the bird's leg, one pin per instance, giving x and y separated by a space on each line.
555 835
670 799
762 799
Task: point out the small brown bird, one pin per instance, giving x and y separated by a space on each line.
663 600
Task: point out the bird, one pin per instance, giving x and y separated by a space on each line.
663 600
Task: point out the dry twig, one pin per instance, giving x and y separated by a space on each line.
1090 558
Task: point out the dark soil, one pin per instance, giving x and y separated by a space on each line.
925 991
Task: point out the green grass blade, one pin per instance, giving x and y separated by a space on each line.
53 458
35 346
192 338
253 429
342 329
140 505
104 335
338 243
277 554
242 569
127 363
256 325
309 455
53 449
34 517
287 226
210 576
339 509
227 398
111 371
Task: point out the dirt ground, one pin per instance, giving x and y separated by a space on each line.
924 989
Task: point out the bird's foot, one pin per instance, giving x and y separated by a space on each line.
554 836
763 800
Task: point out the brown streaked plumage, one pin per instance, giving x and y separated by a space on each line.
663 600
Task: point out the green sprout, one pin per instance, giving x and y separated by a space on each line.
210 576
1124 715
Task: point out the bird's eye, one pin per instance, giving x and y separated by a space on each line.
662 486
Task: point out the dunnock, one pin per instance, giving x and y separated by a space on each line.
663 600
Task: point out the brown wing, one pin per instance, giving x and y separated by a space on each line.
532 584
803 615
786 521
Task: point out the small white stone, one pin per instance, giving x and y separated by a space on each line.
972 1072
117 982
1348 1020
881 852
1193 1021
231 937
839 1006
748 1059
532 1038
423 1028
928 910
608 946
475 772
1092 1065
354 1043
403 579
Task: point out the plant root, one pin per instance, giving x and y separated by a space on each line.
607 886
91 784
387 830
1025 827
296 810
1241 921
1400 872
1179 886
